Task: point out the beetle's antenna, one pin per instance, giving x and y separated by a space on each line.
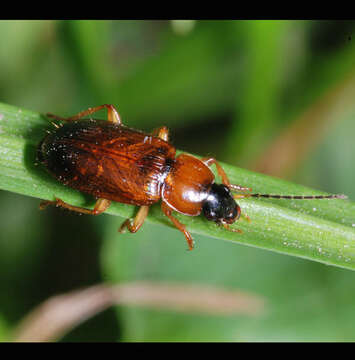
290 197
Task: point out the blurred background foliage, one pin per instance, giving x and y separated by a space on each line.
271 96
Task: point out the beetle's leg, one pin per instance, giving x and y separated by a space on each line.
227 227
246 217
112 114
162 132
223 175
167 211
221 172
134 225
100 206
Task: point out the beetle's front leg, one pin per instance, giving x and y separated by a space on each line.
223 175
168 212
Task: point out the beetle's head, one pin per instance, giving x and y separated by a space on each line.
220 205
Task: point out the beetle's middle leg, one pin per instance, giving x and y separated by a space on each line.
100 206
112 114
133 225
162 133
223 175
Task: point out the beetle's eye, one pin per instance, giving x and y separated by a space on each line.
220 205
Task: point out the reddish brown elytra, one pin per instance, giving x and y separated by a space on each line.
115 163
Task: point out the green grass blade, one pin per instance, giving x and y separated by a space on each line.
320 230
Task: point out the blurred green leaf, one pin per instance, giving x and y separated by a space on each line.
258 104
175 83
4 330
304 300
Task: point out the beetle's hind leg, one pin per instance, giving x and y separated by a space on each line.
133 225
100 206
112 114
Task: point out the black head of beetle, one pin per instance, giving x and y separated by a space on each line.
220 205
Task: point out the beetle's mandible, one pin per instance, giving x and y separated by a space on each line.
113 162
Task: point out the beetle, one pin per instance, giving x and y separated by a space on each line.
113 162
